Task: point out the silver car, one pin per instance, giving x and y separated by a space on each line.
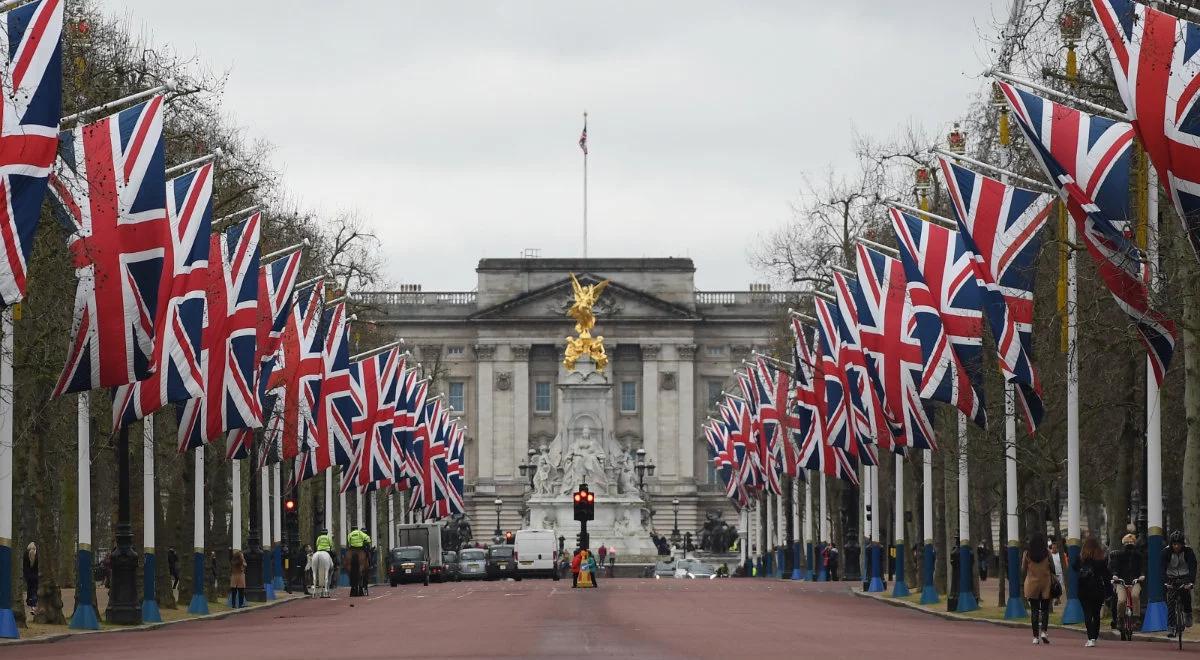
472 564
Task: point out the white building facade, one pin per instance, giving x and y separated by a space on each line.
497 354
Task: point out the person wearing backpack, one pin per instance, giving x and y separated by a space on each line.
1093 578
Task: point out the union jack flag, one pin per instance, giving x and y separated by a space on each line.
109 185
769 423
176 361
724 460
839 423
751 435
735 426
1000 225
410 401
227 343
456 468
373 380
31 95
866 391
296 377
276 280
816 451
438 491
886 326
1088 158
335 382
947 308
338 408
1156 63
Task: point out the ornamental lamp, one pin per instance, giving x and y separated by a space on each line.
957 140
1070 28
921 185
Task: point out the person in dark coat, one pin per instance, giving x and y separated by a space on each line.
173 567
29 569
1129 565
1179 567
1092 579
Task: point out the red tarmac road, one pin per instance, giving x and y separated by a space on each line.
624 618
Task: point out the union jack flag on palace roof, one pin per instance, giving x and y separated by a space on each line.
1000 225
1156 63
227 344
887 326
296 377
31 96
947 308
373 380
109 185
176 360
276 280
1088 159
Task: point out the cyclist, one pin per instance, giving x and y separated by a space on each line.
1179 569
1126 564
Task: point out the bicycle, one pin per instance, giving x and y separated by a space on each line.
1175 625
1125 616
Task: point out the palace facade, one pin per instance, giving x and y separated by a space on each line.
497 353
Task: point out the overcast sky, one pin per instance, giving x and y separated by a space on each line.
452 126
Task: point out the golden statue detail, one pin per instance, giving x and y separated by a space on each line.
581 311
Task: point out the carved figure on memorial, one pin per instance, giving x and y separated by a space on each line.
585 320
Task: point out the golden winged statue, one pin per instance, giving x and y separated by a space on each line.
585 320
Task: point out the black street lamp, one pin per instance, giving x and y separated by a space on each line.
255 587
530 467
123 605
675 528
499 505
642 468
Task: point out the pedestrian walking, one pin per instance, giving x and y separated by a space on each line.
593 569
981 558
576 560
832 554
1039 580
212 573
237 579
603 552
1093 580
29 569
173 567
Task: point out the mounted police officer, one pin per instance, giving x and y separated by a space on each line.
325 542
359 544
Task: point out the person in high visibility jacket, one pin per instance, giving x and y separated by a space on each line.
358 539
325 541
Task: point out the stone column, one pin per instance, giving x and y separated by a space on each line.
520 406
687 412
485 376
649 406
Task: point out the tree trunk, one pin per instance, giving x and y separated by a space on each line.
1191 401
186 525
949 451
46 501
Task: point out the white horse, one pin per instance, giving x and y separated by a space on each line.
321 565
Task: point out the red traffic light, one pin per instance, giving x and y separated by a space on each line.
578 497
591 498
289 504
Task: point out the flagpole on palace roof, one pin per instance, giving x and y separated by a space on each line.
583 146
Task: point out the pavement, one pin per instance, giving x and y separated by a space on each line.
624 618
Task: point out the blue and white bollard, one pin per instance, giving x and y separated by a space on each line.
899 586
1155 619
966 586
929 594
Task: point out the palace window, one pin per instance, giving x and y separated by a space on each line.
458 395
714 393
454 351
542 398
629 396
715 350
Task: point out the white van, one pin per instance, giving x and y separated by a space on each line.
536 553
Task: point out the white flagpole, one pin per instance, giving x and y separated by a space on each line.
150 611
966 592
1073 611
358 508
900 588
1015 607
767 550
929 593
199 604
391 518
1156 614
235 481
8 623
277 528
823 525
808 537
265 529
84 616
585 186
328 516
877 559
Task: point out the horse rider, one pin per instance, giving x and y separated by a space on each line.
325 542
359 543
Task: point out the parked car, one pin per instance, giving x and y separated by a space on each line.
663 569
408 564
448 570
501 563
535 552
472 564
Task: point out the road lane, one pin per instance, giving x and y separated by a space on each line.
623 618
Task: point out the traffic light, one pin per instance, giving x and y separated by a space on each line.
585 504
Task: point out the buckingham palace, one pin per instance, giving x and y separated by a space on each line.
497 353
